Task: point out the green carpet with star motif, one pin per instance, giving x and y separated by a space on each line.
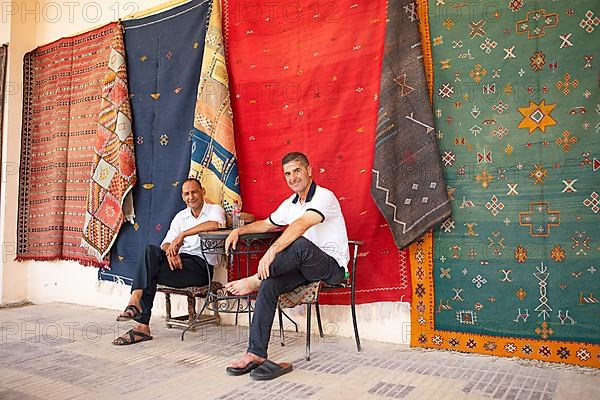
516 102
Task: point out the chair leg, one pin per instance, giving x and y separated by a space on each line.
191 308
237 311
168 310
168 305
291 320
308 311
281 334
215 307
249 312
356 337
319 319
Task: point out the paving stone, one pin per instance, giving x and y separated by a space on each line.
46 353
16 395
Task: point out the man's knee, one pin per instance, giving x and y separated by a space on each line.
299 244
270 288
153 252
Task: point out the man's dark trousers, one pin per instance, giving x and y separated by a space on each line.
298 264
154 269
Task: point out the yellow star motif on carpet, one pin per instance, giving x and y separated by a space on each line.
537 116
103 173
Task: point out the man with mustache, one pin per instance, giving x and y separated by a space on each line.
178 262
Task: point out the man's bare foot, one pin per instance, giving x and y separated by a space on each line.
247 359
243 286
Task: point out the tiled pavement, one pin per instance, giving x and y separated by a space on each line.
63 351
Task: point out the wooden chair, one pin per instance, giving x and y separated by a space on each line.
191 292
309 294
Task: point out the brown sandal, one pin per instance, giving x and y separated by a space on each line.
127 315
124 341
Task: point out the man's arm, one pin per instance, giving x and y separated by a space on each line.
174 262
173 247
203 227
260 226
291 233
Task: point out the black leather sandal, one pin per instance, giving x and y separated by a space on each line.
270 370
135 312
242 371
134 337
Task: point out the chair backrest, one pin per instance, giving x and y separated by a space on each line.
350 279
352 264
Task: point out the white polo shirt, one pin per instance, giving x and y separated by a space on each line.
184 220
329 235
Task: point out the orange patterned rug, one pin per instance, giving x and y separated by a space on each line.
424 307
62 96
113 173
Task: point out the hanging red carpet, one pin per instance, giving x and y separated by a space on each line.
61 102
305 77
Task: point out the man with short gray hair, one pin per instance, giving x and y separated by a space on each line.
313 247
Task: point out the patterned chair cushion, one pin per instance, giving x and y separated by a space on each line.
193 291
301 295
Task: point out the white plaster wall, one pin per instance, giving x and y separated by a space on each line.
20 33
4 28
35 23
66 18
72 283
5 24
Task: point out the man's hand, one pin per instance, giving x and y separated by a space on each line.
264 264
174 246
175 262
231 241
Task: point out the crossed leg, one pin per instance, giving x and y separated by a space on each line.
300 263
